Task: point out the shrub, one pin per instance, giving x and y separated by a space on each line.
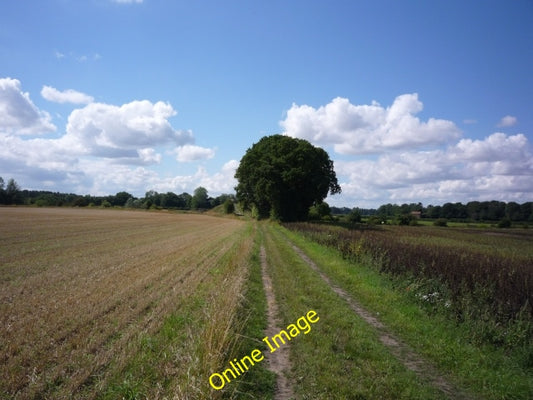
229 207
441 222
504 223
354 217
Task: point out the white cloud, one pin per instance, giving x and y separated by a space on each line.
497 167
111 131
67 96
365 129
507 121
108 148
149 156
189 152
105 148
223 181
496 147
18 114
220 182
390 155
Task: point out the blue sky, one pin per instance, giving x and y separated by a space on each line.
414 101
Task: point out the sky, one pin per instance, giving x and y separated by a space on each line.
414 101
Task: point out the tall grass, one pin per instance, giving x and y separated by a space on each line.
469 280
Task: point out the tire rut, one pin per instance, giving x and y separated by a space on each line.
410 359
278 362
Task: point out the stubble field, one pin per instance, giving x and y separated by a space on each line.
86 297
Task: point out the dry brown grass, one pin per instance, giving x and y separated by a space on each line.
77 287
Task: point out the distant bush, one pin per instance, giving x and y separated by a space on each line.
354 217
229 207
376 220
504 223
406 219
441 222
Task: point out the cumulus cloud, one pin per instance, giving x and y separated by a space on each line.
119 131
365 129
67 96
388 154
105 148
18 114
507 121
189 152
496 167
223 181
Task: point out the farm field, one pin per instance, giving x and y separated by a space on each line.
90 298
114 304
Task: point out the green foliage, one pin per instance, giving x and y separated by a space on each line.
441 222
229 206
354 217
120 199
80 201
284 177
403 219
504 223
2 191
376 220
11 194
199 198
320 211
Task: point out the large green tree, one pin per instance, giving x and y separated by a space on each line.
282 177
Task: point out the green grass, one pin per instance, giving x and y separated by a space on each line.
341 357
258 382
487 370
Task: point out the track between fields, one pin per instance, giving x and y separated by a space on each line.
278 361
410 359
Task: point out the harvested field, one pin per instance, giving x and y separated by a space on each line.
79 288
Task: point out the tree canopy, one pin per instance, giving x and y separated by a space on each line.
283 177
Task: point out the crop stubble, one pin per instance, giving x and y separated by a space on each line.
77 285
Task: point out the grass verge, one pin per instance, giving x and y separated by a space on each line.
258 382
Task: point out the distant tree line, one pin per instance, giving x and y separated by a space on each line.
471 211
11 193
199 200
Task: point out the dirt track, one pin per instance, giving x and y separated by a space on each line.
411 360
279 360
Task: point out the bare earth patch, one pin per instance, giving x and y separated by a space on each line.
279 360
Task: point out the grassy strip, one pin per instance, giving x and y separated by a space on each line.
341 357
258 382
484 369
195 340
